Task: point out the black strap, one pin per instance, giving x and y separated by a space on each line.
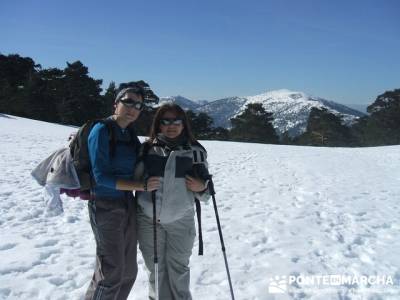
198 213
153 197
144 150
111 136
201 156
134 140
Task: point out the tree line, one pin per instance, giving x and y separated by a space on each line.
379 128
70 96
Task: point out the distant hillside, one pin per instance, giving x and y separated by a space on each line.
290 109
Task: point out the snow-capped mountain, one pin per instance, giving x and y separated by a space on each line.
185 103
290 109
222 110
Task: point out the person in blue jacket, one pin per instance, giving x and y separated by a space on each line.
112 209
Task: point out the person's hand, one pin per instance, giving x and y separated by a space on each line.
194 184
152 184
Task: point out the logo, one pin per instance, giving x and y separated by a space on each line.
277 285
280 284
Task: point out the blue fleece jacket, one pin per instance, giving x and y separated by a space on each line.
106 169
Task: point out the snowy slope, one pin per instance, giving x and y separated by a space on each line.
222 110
284 210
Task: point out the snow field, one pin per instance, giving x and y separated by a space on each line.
284 210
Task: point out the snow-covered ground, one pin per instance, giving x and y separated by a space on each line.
285 211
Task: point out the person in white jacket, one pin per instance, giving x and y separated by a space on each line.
172 154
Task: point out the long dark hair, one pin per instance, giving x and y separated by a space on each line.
180 113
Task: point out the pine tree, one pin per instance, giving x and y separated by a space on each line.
325 129
201 124
81 99
46 90
254 125
143 123
385 118
382 126
286 139
220 134
17 75
107 105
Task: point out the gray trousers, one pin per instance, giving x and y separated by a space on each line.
175 242
114 226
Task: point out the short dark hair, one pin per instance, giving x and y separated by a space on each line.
140 88
132 90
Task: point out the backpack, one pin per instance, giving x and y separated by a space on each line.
80 154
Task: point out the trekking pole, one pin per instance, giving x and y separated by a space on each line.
153 197
212 192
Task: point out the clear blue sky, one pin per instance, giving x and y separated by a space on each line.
346 51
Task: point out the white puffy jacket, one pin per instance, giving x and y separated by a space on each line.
173 199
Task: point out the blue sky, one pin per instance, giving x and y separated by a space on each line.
346 51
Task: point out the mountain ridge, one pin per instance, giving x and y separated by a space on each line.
290 109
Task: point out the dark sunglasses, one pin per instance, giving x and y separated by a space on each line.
128 102
176 121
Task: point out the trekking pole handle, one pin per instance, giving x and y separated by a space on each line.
210 185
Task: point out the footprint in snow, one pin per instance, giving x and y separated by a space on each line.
5 194
212 229
253 214
263 240
4 292
318 252
359 240
7 246
350 253
254 194
295 259
71 219
46 255
57 281
39 275
47 243
382 226
339 237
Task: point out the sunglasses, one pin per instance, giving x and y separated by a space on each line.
176 121
131 103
